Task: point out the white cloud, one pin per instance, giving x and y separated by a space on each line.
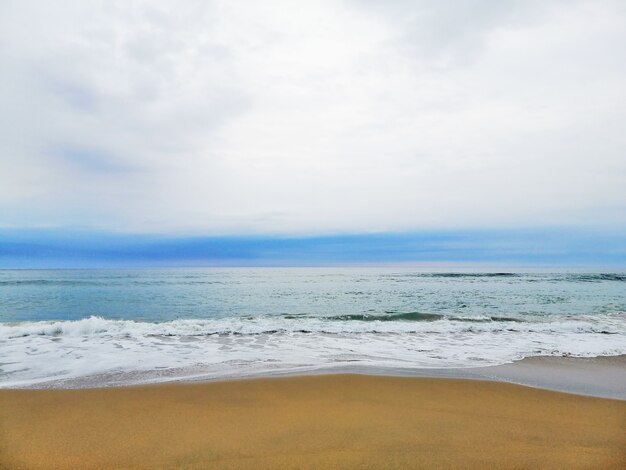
312 117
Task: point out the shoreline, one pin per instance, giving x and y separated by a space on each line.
313 421
601 377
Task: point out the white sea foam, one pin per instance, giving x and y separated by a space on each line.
38 352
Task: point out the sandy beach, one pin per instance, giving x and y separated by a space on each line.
326 421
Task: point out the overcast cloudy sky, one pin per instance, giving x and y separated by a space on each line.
285 117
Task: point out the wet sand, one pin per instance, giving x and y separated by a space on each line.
326 421
595 376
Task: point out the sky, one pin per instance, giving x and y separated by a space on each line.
282 120
491 249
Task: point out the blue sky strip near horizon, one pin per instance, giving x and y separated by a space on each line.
327 132
533 248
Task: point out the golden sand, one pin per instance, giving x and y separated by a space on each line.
333 421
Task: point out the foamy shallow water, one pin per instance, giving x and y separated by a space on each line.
314 320
41 351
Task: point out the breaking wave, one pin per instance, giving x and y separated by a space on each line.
400 323
52 351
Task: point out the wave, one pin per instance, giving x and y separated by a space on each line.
456 275
403 323
407 317
390 316
53 351
524 277
598 277
474 275
49 282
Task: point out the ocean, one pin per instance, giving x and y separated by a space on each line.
112 327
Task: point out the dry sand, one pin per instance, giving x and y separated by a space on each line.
333 421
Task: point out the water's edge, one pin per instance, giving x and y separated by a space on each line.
601 377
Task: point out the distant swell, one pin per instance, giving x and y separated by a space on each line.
199 280
599 277
48 282
407 317
473 275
